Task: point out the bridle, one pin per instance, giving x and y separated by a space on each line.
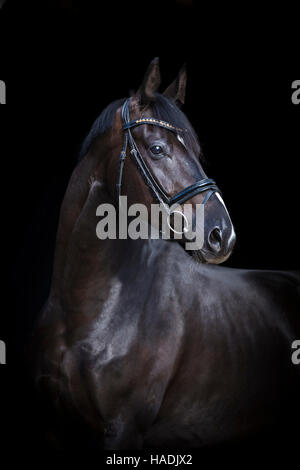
206 184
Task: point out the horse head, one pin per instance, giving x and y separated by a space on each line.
160 160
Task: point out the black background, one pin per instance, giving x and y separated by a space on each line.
62 66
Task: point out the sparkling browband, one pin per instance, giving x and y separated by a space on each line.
154 122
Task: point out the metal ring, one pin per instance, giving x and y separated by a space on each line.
185 218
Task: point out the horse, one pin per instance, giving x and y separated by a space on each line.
142 342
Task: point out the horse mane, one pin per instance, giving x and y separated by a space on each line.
101 125
161 108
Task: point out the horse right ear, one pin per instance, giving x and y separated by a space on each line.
176 91
146 92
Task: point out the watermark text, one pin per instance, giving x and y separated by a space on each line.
2 353
171 460
296 353
296 92
134 222
2 92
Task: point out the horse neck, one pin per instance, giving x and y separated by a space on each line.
73 202
83 263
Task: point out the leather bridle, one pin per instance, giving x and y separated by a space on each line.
206 184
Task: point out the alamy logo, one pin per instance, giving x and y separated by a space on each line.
2 92
134 222
296 93
2 352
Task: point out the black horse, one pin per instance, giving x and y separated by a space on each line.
147 345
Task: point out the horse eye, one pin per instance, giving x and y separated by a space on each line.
156 149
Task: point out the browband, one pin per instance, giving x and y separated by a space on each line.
154 122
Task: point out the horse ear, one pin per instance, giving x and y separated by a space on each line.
150 84
176 91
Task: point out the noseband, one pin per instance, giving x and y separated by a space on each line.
206 184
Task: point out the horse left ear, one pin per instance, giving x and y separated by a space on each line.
151 82
176 91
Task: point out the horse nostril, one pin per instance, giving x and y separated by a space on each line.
215 240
